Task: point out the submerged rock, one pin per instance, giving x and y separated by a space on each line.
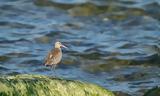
119 93
4 58
153 92
37 85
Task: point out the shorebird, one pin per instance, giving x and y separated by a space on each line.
54 56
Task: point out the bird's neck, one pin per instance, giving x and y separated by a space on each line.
58 48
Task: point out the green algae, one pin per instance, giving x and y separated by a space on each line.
38 85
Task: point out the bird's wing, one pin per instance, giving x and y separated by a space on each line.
51 56
47 58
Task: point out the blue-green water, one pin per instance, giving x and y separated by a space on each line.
111 43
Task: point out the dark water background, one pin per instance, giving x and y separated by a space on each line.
113 43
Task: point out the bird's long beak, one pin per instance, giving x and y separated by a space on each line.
64 46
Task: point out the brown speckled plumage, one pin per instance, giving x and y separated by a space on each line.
53 57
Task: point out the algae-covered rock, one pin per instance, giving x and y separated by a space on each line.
37 85
153 92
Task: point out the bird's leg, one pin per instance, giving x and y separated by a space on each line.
54 68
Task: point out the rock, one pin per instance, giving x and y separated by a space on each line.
4 58
119 93
153 92
38 85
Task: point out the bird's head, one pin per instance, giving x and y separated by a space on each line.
59 45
